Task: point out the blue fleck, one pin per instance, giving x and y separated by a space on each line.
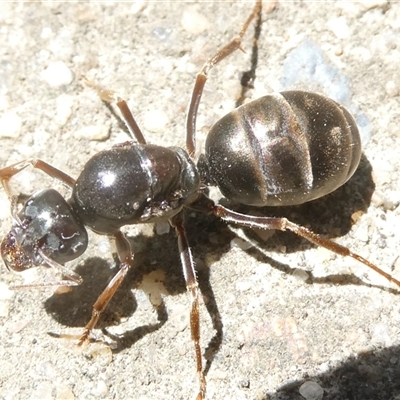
306 66
162 33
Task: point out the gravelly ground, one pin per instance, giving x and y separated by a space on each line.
279 326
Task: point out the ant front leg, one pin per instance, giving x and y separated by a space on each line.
8 172
202 76
192 287
109 96
282 224
126 257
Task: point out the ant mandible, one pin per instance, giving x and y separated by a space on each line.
282 149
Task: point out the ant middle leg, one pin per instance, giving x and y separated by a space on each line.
192 287
202 76
126 257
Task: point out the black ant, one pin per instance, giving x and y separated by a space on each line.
282 149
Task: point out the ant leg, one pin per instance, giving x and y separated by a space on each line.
109 96
8 172
282 224
201 79
126 257
192 287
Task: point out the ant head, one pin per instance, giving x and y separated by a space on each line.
46 229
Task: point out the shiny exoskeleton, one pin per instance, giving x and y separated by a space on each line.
133 184
45 227
281 149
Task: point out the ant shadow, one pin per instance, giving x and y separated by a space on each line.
74 308
330 216
371 375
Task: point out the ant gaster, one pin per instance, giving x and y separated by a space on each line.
282 149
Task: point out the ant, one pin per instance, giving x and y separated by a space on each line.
282 149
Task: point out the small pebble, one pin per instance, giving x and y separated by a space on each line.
101 390
162 227
194 22
63 290
64 392
162 33
245 384
137 6
18 326
339 27
104 246
155 120
300 274
380 335
392 88
10 124
64 109
153 285
241 244
100 353
46 33
57 74
338 50
311 391
93 132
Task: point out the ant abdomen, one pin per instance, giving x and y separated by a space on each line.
282 149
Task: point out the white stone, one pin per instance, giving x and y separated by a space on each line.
339 27
10 124
241 244
57 74
93 132
194 22
64 109
155 120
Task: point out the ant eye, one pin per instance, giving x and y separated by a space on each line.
13 256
